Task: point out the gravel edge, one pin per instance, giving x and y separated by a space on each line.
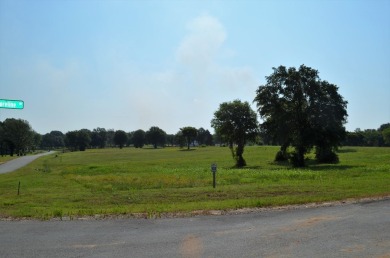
197 213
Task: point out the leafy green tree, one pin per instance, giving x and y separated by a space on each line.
383 127
155 136
180 140
99 138
110 137
139 138
170 139
53 140
386 135
71 141
83 139
204 137
302 111
18 135
189 133
236 123
3 144
120 138
36 142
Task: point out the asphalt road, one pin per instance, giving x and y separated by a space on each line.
352 230
17 163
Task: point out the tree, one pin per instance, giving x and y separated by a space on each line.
236 123
110 137
204 137
83 139
302 111
78 140
53 140
18 135
189 133
71 140
120 138
180 139
99 138
155 136
386 135
139 138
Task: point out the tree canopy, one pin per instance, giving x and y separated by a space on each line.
155 136
16 136
189 133
236 123
120 138
138 138
301 110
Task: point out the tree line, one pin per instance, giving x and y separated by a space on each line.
17 138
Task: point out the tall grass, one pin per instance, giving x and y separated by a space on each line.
122 181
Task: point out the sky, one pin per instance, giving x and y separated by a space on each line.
129 65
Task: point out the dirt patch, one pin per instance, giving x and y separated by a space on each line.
310 222
191 247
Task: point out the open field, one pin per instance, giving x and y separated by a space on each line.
114 181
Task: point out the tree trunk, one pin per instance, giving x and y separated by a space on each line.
240 161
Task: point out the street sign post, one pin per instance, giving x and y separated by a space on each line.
214 170
12 104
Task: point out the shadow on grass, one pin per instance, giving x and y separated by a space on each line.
311 164
187 150
245 167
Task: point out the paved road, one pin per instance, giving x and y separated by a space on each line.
353 230
15 164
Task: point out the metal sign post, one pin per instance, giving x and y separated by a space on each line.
214 170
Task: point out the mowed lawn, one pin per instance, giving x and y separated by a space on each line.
155 181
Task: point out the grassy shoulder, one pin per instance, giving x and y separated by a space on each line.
124 181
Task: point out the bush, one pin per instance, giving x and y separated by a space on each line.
326 156
281 156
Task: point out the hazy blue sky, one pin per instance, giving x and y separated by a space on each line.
135 64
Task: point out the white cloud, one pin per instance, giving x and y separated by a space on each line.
199 48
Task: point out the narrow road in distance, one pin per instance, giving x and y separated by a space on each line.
17 163
349 230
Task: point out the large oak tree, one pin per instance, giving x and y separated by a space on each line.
301 110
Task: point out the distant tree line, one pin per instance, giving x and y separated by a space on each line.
18 138
364 138
370 137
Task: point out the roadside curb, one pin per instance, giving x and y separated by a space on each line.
198 213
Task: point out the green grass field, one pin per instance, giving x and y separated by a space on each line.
155 181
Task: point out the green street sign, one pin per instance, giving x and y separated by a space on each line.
13 104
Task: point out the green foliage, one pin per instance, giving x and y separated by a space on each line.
301 110
386 135
120 138
99 138
237 124
156 136
189 133
138 138
204 137
53 140
16 136
326 155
